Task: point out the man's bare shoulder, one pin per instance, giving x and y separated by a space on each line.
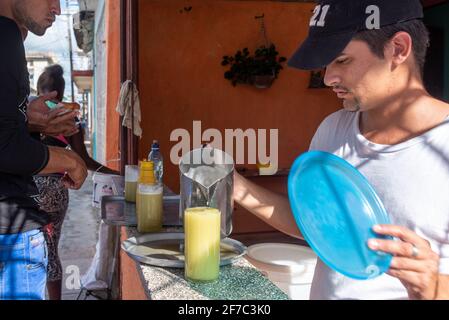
443 105
438 109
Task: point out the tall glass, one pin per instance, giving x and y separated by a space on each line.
202 244
131 178
149 208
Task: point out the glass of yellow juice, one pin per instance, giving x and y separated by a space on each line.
131 178
149 208
130 191
202 244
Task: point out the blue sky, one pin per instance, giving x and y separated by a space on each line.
56 41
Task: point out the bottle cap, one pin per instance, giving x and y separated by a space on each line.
147 172
155 144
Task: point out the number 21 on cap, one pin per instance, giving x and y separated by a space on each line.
316 12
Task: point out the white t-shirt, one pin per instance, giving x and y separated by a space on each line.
411 179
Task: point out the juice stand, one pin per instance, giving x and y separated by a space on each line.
192 257
158 273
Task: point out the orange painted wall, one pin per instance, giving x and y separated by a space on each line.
113 81
181 77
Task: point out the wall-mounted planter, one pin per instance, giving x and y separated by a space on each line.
263 82
260 69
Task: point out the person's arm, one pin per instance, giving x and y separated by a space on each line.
63 160
77 144
20 154
269 206
443 287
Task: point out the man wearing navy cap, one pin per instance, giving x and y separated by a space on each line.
391 130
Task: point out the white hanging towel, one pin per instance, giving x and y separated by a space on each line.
128 95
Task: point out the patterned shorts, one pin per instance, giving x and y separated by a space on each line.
53 199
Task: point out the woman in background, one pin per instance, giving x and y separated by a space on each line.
53 197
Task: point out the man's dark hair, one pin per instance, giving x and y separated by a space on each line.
52 79
377 39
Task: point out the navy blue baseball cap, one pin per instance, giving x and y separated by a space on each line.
335 22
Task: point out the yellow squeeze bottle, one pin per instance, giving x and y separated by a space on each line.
149 200
202 244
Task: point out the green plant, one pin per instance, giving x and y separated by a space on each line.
244 67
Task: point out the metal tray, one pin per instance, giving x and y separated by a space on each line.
163 249
116 211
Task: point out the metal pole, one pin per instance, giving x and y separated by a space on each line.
69 33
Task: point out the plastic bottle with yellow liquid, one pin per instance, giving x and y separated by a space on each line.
149 200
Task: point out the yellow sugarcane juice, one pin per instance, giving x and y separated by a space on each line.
202 244
149 200
130 191
131 182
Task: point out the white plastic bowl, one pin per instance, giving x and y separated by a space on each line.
290 267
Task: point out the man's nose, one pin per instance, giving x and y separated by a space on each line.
55 7
331 78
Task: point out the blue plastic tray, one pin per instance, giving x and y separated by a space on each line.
335 208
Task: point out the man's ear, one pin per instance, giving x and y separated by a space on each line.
400 48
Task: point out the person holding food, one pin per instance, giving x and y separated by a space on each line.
53 197
23 250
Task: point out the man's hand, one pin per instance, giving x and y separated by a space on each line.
50 122
63 160
76 172
414 263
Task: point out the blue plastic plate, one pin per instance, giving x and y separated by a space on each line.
335 208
